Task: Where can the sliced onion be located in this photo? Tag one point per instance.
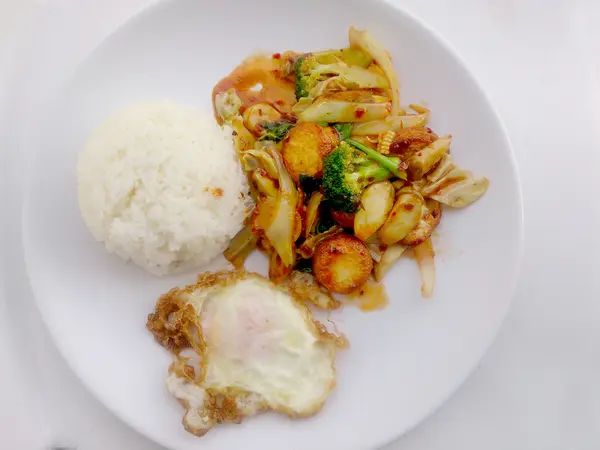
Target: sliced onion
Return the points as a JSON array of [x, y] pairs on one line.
[[425, 259], [457, 188], [280, 231], [365, 42], [387, 260]]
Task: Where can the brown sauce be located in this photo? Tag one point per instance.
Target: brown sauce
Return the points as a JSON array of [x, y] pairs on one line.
[[370, 297], [258, 70]]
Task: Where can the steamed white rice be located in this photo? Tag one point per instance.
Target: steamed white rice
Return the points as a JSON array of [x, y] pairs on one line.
[[160, 184]]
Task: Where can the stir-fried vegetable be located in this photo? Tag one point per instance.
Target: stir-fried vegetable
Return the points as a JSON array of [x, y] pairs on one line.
[[278, 271], [309, 72], [344, 130], [305, 286], [263, 184], [275, 131], [343, 219], [375, 204], [388, 258], [394, 165], [431, 214], [257, 115], [243, 139], [350, 56], [227, 105], [281, 229], [424, 255], [453, 186], [409, 141], [259, 159], [240, 247], [423, 161], [344, 179], [347, 106], [342, 263], [365, 42], [403, 218], [347, 173], [312, 212], [305, 147], [308, 247], [394, 123]]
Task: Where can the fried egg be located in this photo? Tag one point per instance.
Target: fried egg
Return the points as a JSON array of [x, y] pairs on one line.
[[255, 347]]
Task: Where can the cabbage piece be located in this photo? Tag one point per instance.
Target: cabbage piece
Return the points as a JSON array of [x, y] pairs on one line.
[[228, 104], [365, 42], [259, 159], [280, 230], [347, 106], [453, 186], [302, 104]]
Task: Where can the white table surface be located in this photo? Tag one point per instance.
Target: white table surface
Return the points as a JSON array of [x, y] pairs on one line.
[[537, 388]]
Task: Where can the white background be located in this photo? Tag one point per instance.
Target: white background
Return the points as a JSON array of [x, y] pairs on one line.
[[538, 387]]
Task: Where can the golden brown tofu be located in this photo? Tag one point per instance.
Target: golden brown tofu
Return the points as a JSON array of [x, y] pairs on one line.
[[342, 263], [305, 147]]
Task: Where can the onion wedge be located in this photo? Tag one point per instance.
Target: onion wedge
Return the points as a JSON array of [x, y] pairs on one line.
[[424, 254], [388, 258]]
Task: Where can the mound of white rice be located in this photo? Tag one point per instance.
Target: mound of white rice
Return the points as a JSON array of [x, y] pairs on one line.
[[160, 184]]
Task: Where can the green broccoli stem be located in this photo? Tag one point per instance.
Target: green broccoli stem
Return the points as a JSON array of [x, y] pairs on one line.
[[390, 163]]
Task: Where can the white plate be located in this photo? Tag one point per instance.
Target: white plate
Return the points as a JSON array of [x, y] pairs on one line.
[[404, 361]]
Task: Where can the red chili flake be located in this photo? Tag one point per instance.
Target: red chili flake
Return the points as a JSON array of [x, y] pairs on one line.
[[409, 207], [260, 113], [371, 179], [359, 113], [279, 102], [276, 55], [362, 292], [394, 213], [420, 154]]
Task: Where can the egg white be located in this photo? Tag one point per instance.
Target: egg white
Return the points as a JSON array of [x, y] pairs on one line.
[[261, 349]]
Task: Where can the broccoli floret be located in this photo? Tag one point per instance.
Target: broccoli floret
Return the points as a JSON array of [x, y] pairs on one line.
[[275, 131], [310, 70], [347, 172]]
